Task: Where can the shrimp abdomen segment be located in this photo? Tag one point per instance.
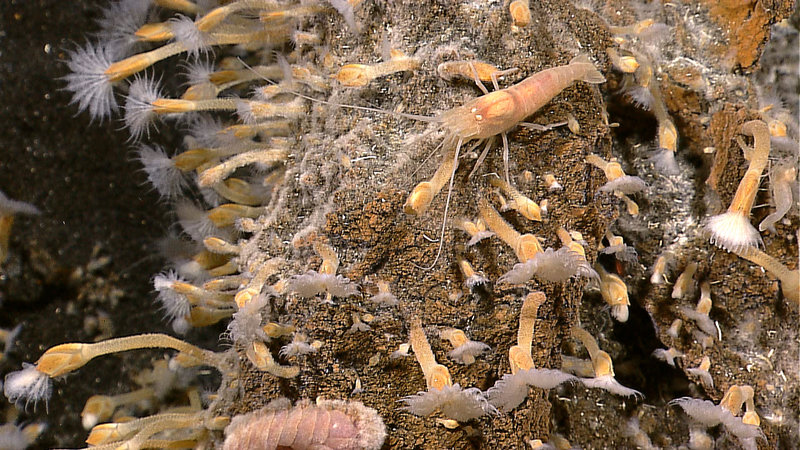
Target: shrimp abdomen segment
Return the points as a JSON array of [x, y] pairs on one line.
[[538, 89], [499, 111], [485, 116]]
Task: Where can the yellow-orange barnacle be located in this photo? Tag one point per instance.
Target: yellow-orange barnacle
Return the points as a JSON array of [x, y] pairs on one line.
[[202, 316], [220, 246], [519, 359], [439, 377], [615, 293], [602, 364], [226, 215], [527, 247], [353, 75], [154, 32], [260, 356], [245, 296], [63, 359], [520, 12]]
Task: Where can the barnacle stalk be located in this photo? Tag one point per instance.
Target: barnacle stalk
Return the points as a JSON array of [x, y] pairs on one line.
[[65, 358], [732, 230]]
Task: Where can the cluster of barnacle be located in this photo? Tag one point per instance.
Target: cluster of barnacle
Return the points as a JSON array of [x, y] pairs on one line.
[[242, 171]]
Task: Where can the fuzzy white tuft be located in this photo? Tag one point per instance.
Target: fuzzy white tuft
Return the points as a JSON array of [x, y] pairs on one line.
[[246, 324], [704, 376], [732, 232], [186, 32], [119, 22], [557, 265], [551, 265], [479, 236], [520, 273], [205, 131], [626, 184], [312, 283], [511, 390], [664, 160], [641, 97], [297, 347], [475, 282], [453, 401], [8, 206], [8, 342], [466, 353], [620, 313], [195, 221], [703, 411], [176, 306], [198, 71], [90, 86], [608, 383], [167, 179], [384, 299], [702, 320], [709, 414], [666, 355], [27, 384], [622, 252], [139, 114]]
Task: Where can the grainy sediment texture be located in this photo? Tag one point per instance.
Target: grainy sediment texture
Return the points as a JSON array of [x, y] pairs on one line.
[[358, 209]]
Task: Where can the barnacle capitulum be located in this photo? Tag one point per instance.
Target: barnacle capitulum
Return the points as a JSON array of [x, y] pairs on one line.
[[555, 266], [519, 202], [99, 408], [525, 246], [298, 347], [615, 293], [472, 280], [451, 399], [467, 69], [700, 313], [685, 282], [512, 389], [617, 247], [333, 424], [476, 230], [675, 328], [668, 355], [702, 371], [552, 184], [709, 414], [313, 283], [659, 269], [618, 181], [358, 75], [384, 297], [732, 230], [421, 196], [602, 367], [464, 349], [520, 12]]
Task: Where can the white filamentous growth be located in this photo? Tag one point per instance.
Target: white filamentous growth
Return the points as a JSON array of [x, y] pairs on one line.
[[139, 113], [91, 87], [167, 179], [27, 384]]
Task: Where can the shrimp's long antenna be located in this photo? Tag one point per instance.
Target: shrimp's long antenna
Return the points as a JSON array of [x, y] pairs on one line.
[[339, 105], [446, 208]]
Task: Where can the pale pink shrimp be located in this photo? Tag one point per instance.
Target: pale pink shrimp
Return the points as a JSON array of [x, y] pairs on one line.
[[499, 111]]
